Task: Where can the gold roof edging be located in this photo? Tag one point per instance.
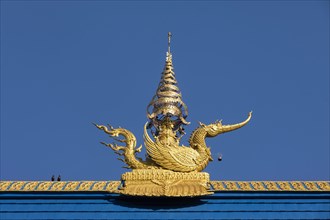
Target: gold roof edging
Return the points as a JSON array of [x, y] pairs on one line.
[[112, 186]]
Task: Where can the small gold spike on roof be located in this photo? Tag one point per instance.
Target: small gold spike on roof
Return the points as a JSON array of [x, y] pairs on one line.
[[167, 102]]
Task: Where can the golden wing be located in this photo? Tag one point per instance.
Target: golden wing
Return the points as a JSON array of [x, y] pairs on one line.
[[183, 159]]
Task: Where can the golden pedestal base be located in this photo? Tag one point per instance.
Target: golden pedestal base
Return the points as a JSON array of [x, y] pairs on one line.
[[157, 182]]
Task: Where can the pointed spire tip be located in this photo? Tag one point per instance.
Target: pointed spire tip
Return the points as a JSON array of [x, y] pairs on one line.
[[169, 35], [168, 53]]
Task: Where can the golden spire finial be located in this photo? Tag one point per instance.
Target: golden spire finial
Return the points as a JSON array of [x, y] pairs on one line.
[[167, 102]]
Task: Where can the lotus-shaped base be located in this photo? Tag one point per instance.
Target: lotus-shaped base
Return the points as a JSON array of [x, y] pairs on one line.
[[158, 182]]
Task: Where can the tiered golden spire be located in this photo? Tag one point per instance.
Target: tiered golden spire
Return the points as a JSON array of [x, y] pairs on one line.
[[167, 102]]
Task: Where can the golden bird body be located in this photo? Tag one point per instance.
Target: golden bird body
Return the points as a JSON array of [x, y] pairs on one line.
[[165, 152]]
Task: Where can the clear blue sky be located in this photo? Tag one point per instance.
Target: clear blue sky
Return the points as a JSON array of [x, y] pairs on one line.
[[66, 64]]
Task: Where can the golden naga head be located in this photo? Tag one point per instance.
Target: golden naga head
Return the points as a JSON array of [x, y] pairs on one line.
[[217, 127], [212, 129]]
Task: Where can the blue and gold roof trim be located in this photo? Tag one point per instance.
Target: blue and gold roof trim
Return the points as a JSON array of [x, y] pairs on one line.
[[62, 186], [113, 186]]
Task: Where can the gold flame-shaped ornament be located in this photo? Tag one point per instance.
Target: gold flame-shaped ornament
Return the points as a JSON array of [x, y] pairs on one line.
[[169, 169]]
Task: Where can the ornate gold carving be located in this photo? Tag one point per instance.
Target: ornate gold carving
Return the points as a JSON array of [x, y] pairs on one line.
[[44, 186], [272, 186], [298, 186], [86, 185], [166, 152], [128, 150], [112, 186], [285, 186], [217, 186], [165, 183], [324, 185], [167, 115], [159, 179], [244, 186], [257, 185], [4, 185], [17, 185], [30, 186], [99, 185], [168, 99], [231, 186], [165, 155], [57, 186], [70, 186]]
